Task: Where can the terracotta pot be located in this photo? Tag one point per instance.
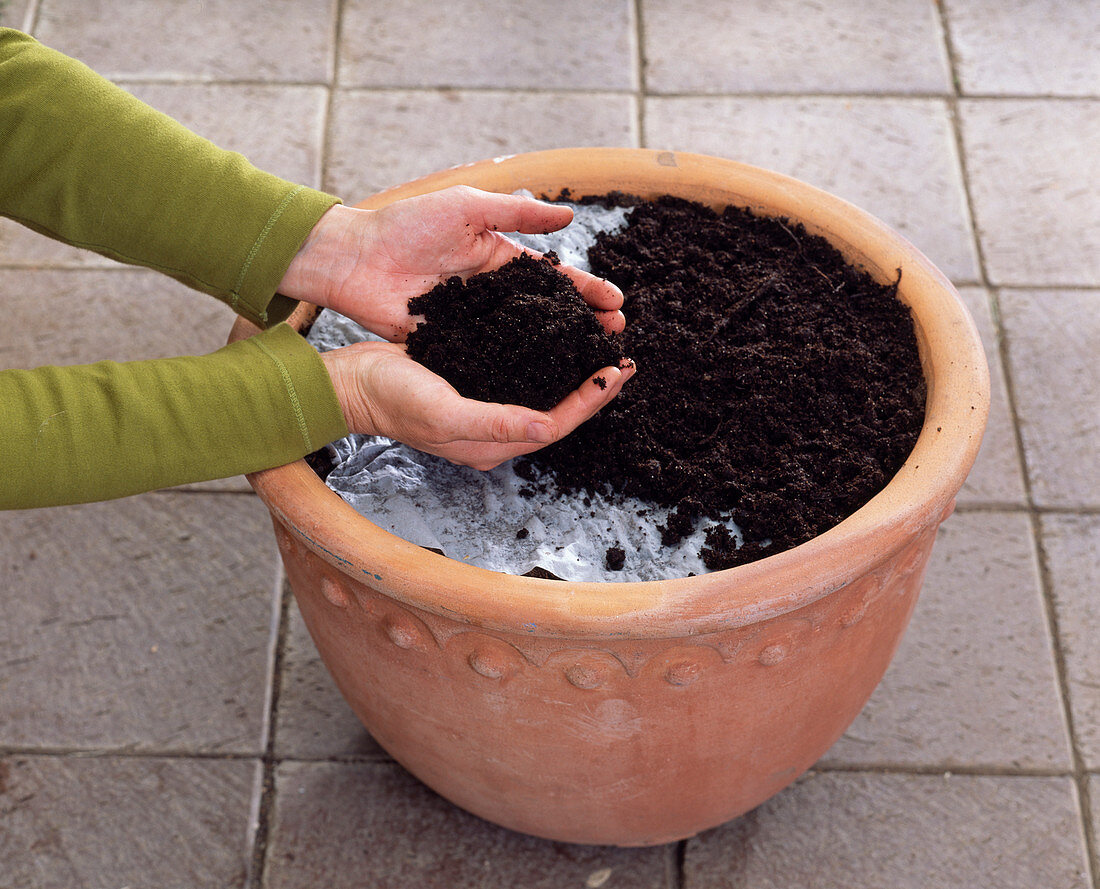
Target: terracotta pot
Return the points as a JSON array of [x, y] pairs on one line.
[[637, 713]]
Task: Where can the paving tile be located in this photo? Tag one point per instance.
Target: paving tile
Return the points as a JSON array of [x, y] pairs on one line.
[[959, 679], [19, 246], [759, 46], [270, 40], [278, 128], [371, 824], [1052, 348], [997, 476], [237, 484], [895, 158], [1025, 47], [141, 623], [314, 721], [13, 14], [1072, 547], [865, 831], [87, 823], [384, 139], [974, 681], [489, 43], [1033, 169], [77, 316]]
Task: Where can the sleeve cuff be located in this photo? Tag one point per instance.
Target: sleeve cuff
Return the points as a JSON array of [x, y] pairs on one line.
[[290, 223], [309, 390]]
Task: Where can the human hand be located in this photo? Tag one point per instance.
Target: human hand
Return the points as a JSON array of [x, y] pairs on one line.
[[367, 264], [384, 392]]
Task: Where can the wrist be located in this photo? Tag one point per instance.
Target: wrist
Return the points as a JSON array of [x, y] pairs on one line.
[[325, 258], [334, 366]]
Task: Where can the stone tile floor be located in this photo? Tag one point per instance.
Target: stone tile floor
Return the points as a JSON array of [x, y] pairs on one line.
[[164, 720]]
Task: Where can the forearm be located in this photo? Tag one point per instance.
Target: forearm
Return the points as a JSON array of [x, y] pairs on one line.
[[106, 430], [87, 163]]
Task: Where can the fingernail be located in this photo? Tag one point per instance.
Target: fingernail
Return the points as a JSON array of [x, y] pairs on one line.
[[539, 432]]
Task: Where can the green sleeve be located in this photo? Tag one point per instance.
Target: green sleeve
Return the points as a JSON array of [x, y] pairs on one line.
[[83, 161], [105, 430]]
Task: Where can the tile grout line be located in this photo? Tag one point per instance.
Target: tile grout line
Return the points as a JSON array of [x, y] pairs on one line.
[[257, 875], [265, 803], [30, 17], [679, 860], [10, 750], [824, 767], [260, 804], [641, 87], [351, 759], [383, 88], [992, 506], [1080, 772], [845, 95], [333, 89], [274, 653]]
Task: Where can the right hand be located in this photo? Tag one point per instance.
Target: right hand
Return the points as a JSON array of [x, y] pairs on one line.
[[368, 264]]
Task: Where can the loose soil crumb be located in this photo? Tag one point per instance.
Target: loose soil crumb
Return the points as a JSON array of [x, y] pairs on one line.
[[521, 334], [615, 558], [777, 385]]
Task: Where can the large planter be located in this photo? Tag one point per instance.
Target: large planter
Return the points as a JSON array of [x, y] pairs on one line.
[[637, 713]]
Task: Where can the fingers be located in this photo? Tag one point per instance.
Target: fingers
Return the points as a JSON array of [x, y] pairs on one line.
[[599, 293], [516, 213], [582, 403], [613, 322], [484, 435], [603, 296], [384, 392]]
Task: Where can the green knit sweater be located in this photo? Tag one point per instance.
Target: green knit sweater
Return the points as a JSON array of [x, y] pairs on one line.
[[84, 162]]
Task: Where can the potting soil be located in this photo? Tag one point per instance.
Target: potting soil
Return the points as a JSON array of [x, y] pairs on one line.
[[521, 334], [778, 390], [778, 386]]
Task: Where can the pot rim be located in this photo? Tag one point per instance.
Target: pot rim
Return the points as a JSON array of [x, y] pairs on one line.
[[919, 496]]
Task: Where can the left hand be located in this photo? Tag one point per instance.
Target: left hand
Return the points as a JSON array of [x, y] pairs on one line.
[[368, 264], [384, 392]]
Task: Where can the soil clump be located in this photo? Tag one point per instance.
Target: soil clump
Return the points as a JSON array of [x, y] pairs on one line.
[[521, 334]]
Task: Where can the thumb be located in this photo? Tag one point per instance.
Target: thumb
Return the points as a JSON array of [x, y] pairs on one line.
[[516, 213], [502, 424]]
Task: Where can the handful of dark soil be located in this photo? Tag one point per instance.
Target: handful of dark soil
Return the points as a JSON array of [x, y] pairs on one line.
[[521, 334]]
